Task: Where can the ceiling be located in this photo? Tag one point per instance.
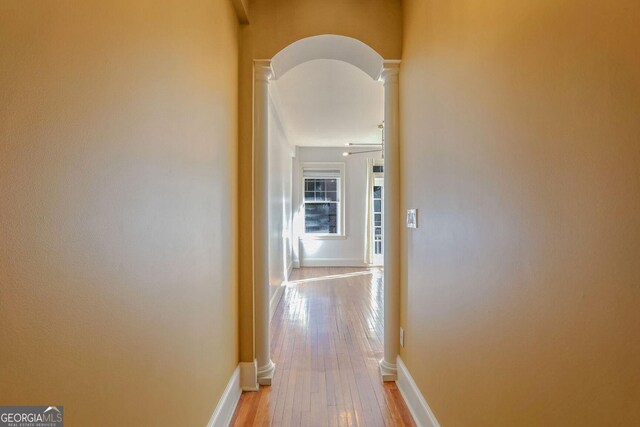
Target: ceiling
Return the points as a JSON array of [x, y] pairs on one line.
[[328, 103], [327, 46]]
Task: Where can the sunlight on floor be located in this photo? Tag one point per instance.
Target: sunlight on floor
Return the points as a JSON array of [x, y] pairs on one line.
[[333, 277], [327, 337]]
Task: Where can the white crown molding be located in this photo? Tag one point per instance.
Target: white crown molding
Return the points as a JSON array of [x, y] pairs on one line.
[[418, 406]]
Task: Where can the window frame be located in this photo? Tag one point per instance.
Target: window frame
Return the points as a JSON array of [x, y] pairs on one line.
[[341, 202]]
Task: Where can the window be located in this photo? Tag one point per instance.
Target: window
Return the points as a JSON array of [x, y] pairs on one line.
[[322, 200], [321, 205]]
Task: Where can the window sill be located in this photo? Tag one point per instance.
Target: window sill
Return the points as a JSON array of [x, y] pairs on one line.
[[323, 237]]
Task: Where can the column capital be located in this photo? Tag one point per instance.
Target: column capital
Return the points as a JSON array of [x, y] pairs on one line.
[[390, 72], [262, 70]]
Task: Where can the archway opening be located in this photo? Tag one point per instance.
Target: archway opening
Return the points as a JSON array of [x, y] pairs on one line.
[[328, 46], [283, 176]]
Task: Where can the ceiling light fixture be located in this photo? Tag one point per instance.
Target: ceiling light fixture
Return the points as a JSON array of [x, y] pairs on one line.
[[355, 144], [377, 150]]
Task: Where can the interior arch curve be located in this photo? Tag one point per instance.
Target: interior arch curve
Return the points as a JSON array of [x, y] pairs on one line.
[[328, 46]]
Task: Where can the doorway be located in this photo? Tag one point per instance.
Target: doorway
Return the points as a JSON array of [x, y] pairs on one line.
[[377, 225], [267, 75]]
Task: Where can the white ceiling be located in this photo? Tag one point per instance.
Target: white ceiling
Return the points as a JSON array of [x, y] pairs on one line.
[[328, 103], [328, 46]]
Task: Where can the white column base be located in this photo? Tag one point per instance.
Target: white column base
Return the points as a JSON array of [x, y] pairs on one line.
[[249, 376], [388, 371], [266, 373]]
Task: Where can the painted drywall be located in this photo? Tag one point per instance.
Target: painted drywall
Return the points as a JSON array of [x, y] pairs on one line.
[[274, 24], [280, 221], [520, 149], [118, 142], [348, 251], [326, 102]]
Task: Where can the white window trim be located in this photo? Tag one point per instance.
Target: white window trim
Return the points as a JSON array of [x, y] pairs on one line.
[[341, 234]]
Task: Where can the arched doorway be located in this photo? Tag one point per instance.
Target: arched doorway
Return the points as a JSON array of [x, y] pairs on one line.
[[369, 61]]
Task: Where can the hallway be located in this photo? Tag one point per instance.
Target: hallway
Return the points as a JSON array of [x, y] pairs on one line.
[[326, 343]]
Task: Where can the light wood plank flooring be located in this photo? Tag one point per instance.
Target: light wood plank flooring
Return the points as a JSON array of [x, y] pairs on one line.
[[326, 340]]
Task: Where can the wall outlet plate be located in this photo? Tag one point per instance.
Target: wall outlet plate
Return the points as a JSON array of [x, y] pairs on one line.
[[412, 218]]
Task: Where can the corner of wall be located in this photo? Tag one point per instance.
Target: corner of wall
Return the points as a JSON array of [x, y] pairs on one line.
[[418, 406]]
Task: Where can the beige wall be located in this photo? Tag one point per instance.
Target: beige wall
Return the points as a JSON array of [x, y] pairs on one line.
[[273, 25], [521, 150], [118, 129]]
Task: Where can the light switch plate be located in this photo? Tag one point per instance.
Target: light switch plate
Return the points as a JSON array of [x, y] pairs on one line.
[[402, 337], [412, 218]]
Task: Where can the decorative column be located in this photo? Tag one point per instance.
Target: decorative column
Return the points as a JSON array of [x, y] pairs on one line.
[[392, 220], [262, 74]]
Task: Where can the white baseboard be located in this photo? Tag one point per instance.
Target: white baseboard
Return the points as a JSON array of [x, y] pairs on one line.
[[333, 262], [422, 414], [275, 300], [289, 270], [249, 376], [227, 404]]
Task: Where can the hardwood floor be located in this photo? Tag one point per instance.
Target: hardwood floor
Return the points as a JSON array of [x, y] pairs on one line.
[[326, 340]]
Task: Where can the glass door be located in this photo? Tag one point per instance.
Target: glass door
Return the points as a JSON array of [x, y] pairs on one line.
[[377, 223]]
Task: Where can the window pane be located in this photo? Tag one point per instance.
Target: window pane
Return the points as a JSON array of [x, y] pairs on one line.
[[377, 205], [377, 192], [320, 204], [321, 189], [321, 218], [377, 220], [378, 232], [378, 169]]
